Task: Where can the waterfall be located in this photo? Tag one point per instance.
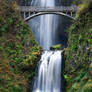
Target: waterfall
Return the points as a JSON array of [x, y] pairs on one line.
[[49, 72], [48, 24], [45, 29], [47, 33]]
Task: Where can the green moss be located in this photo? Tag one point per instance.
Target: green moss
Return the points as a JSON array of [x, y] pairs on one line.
[[56, 47]]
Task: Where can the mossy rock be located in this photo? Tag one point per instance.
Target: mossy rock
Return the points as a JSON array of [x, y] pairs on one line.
[[56, 47]]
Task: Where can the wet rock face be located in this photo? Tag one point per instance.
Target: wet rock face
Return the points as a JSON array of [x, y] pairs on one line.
[[66, 2]]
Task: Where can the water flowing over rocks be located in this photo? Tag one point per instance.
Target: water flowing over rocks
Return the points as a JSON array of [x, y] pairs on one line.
[[49, 72]]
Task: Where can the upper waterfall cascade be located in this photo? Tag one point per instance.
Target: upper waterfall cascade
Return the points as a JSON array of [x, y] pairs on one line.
[[45, 29]]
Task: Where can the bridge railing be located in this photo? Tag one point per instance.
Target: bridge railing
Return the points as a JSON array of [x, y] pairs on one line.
[[72, 8]]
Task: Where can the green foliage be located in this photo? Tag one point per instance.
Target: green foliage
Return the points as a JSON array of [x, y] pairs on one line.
[[77, 2], [1, 49], [78, 54], [19, 53]]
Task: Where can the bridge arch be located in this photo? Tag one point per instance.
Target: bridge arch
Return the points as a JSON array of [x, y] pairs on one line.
[[44, 13], [30, 12]]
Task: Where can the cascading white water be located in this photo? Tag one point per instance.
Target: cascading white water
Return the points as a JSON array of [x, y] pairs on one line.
[[49, 73], [48, 25], [47, 33]]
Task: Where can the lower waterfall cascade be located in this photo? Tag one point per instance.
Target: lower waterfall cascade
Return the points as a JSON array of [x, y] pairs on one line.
[[49, 72]]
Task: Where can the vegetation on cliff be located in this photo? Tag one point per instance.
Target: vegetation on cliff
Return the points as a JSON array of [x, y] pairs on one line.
[[19, 53], [78, 54]]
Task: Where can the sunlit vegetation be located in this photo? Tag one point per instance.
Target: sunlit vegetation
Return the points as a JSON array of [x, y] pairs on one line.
[[56, 47]]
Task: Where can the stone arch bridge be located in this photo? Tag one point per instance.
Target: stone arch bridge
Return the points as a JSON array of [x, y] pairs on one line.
[[29, 12]]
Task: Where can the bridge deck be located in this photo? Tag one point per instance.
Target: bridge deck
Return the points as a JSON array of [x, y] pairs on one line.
[[72, 8]]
